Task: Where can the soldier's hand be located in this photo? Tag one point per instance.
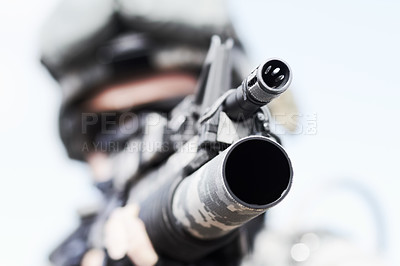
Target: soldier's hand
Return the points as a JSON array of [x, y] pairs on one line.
[[125, 234]]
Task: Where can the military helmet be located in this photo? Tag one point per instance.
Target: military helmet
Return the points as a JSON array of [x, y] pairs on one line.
[[88, 44]]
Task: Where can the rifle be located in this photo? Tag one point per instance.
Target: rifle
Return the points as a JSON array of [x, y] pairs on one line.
[[193, 203], [219, 165]]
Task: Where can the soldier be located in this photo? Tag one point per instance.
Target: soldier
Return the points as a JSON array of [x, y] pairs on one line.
[[113, 57]]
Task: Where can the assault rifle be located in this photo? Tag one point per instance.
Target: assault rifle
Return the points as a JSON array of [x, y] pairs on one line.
[[230, 168], [219, 165]]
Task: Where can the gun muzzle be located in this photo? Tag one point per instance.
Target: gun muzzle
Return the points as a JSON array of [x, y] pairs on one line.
[[252, 175], [265, 83], [187, 219]]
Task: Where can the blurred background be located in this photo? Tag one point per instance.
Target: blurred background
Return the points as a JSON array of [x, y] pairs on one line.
[[343, 207]]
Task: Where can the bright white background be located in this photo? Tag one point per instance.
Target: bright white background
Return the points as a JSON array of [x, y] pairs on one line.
[[344, 55]]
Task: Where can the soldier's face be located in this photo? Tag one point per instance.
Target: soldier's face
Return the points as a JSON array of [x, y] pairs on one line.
[[134, 93]]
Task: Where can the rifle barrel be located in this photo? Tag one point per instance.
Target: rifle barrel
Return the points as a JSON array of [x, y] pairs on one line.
[[265, 83]]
